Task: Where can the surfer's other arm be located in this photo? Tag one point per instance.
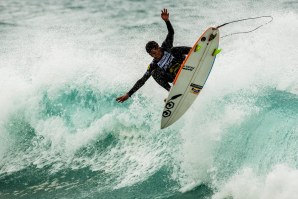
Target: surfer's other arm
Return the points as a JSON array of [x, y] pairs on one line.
[[136, 87]]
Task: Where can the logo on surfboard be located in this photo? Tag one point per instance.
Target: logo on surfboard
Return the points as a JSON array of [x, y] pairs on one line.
[[169, 105], [190, 68], [195, 88]]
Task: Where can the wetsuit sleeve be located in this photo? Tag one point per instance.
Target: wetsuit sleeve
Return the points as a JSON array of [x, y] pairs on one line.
[[180, 51], [168, 42], [139, 83]]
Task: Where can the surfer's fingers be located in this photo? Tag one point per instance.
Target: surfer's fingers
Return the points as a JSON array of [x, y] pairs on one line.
[[119, 99]]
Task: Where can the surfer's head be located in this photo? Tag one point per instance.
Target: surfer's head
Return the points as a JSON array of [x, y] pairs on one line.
[[154, 50]]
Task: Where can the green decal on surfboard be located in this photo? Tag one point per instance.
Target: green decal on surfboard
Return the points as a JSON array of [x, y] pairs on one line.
[[198, 47], [216, 51]]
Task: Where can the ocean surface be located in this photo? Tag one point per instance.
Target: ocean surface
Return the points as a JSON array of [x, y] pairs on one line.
[[63, 135]]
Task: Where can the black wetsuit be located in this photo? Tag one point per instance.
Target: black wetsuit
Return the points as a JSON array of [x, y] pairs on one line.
[[164, 70]]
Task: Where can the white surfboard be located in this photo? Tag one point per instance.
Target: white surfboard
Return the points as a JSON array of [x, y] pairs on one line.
[[191, 77]]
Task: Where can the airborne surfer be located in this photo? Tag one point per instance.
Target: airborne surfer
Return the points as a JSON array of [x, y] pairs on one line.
[[166, 61]]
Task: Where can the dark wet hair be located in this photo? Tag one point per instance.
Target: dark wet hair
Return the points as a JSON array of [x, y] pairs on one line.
[[151, 45]]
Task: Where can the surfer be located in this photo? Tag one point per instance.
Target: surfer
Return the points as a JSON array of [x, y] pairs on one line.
[[166, 61]]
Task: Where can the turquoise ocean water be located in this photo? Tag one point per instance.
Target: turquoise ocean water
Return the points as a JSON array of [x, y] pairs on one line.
[[62, 135]]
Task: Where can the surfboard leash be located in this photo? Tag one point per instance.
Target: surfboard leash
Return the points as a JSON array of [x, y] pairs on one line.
[[250, 18]]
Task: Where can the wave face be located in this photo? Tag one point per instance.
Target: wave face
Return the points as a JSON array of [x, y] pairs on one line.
[[63, 135]]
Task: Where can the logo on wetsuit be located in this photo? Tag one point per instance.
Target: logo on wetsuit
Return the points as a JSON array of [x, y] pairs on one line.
[[165, 61]]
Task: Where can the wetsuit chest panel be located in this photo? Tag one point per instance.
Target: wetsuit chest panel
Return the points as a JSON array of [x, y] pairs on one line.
[[165, 61]]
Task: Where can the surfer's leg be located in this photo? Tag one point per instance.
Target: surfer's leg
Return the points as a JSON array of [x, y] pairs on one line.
[[161, 78]]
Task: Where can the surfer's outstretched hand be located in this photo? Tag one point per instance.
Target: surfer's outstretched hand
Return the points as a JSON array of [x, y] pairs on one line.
[[122, 98], [164, 14]]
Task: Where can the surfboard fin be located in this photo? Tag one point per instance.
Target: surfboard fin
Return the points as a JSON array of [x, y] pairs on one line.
[[216, 51]]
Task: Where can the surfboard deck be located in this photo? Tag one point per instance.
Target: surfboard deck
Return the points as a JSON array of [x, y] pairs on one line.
[[191, 76]]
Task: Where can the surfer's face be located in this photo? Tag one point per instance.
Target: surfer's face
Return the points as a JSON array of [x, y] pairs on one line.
[[156, 53]]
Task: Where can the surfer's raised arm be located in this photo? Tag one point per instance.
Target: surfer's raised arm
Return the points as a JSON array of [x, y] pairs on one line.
[[165, 64], [168, 42]]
